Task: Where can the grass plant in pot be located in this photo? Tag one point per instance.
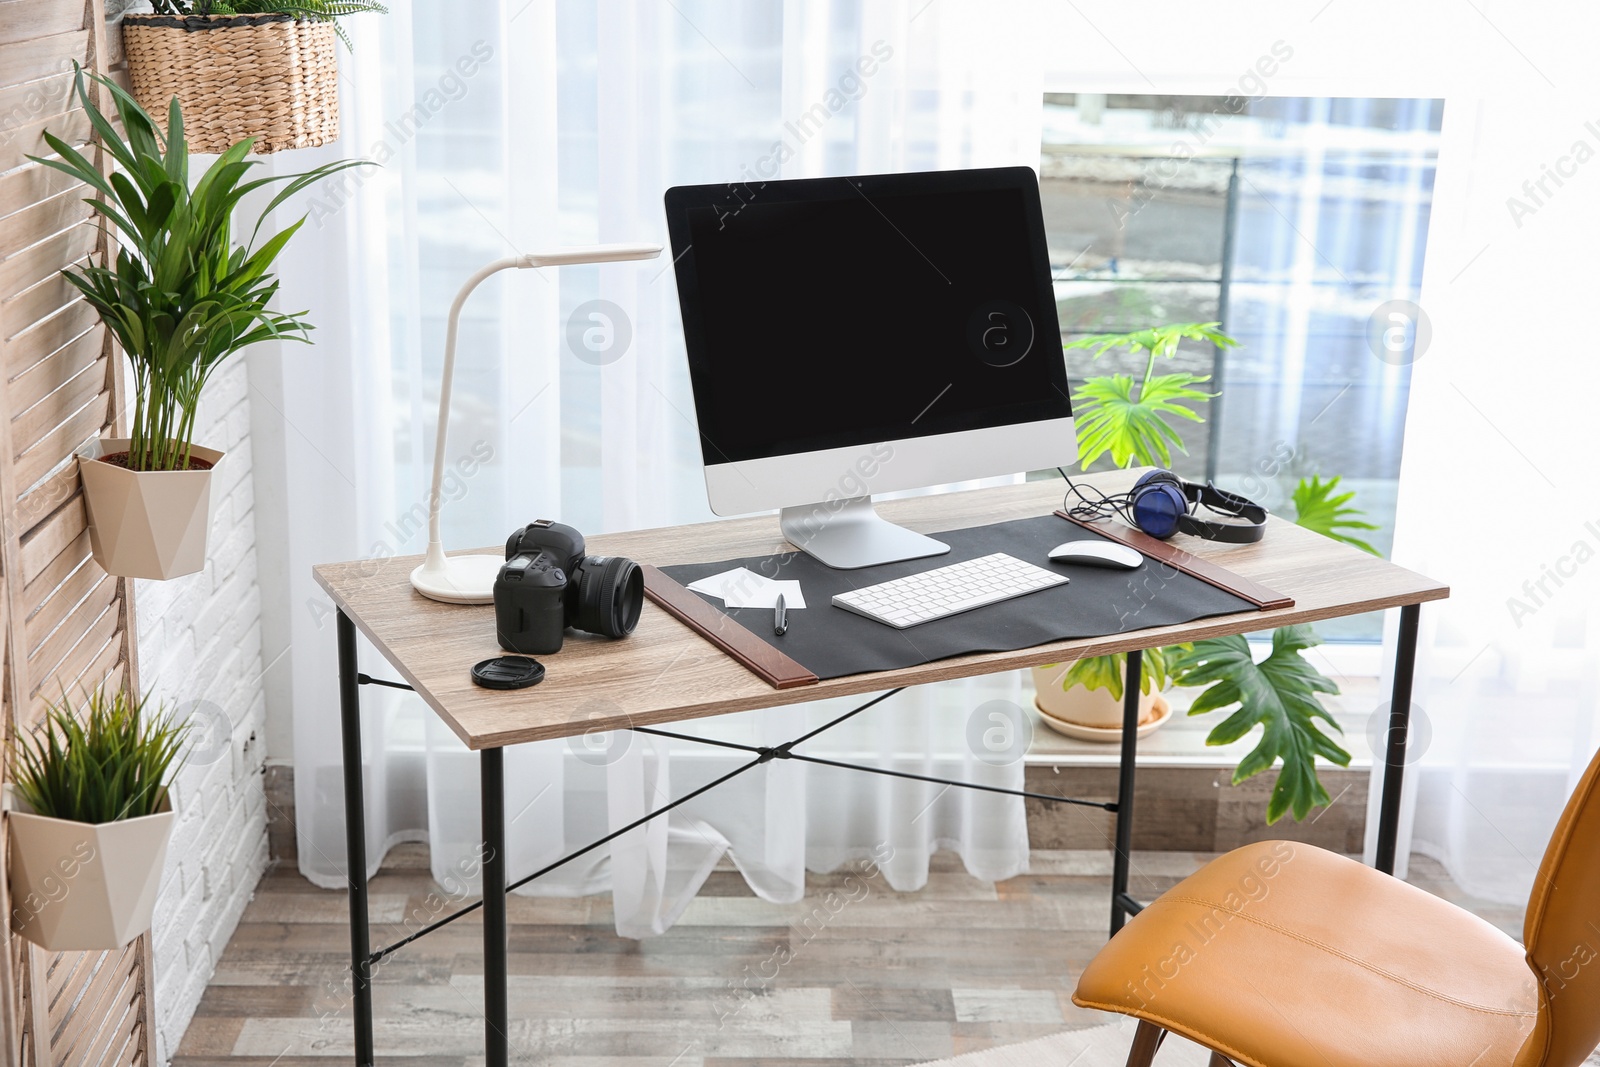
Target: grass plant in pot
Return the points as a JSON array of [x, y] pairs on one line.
[[181, 297], [90, 819], [1135, 424]]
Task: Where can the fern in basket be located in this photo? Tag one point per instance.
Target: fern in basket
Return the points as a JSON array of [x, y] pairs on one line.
[[307, 10]]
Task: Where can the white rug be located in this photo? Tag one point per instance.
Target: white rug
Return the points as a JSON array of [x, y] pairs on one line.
[[1101, 1046]]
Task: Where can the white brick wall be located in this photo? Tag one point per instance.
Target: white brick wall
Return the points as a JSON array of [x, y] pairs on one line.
[[200, 640]]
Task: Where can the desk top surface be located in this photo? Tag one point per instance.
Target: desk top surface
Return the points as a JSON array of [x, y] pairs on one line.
[[666, 672]]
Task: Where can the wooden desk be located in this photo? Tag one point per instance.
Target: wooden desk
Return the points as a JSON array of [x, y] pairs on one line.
[[665, 672]]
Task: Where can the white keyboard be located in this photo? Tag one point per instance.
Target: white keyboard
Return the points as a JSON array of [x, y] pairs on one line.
[[938, 594]]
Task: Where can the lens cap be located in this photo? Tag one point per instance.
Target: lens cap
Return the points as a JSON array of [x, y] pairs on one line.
[[508, 672]]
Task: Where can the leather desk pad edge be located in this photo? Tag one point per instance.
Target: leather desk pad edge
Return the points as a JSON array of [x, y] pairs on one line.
[[756, 655], [1263, 597]]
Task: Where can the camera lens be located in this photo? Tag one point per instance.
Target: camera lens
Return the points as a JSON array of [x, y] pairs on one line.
[[610, 595]]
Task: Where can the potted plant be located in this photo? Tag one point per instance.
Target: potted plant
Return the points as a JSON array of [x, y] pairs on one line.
[[90, 818], [261, 69], [181, 297], [1132, 422], [1083, 698]]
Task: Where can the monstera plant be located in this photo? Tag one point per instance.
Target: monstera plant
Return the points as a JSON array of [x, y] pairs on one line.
[[1136, 423]]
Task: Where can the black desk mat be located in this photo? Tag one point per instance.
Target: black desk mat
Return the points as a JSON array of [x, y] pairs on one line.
[[832, 642]]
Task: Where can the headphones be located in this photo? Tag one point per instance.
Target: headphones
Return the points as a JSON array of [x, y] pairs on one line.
[[1162, 504]]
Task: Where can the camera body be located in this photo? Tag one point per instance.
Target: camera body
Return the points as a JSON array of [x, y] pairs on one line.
[[549, 583]]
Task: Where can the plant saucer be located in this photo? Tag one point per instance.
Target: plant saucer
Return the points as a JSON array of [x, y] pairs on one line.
[[1104, 734]]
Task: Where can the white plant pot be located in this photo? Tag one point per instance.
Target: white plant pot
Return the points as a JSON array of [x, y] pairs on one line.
[[79, 886], [146, 524], [1095, 708]]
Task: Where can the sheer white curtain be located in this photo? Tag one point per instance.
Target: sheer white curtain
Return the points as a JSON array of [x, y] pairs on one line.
[[526, 125], [1497, 491]]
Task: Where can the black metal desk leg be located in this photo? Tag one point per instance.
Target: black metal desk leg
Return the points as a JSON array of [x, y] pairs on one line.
[[1394, 764], [496, 1045], [355, 839], [1130, 749]]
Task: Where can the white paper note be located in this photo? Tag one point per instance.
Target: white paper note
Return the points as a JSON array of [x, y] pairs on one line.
[[727, 583], [744, 588], [766, 595]]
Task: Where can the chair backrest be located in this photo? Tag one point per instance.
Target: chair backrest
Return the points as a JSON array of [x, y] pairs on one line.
[[1562, 935]]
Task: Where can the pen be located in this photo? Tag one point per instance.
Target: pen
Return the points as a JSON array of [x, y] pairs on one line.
[[780, 617]]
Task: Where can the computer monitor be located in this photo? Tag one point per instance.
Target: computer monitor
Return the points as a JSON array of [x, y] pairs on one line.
[[861, 335]]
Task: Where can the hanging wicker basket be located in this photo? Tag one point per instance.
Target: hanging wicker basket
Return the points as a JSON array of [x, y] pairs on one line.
[[271, 77]]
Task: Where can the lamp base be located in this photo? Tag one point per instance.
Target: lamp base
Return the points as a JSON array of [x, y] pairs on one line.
[[458, 579]]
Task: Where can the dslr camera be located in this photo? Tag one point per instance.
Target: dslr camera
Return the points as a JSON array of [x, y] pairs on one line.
[[548, 583]]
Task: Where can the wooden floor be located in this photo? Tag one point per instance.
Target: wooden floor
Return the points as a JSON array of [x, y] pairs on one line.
[[884, 978]]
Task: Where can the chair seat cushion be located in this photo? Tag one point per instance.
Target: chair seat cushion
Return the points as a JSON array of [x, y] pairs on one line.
[[1286, 955]]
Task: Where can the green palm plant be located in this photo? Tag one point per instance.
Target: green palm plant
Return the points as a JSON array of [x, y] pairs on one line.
[[1128, 419], [106, 761], [182, 296], [1317, 508]]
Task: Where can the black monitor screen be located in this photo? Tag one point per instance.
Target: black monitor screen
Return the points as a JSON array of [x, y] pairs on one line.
[[833, 312]]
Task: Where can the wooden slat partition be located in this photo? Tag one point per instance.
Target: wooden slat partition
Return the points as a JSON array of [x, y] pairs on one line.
[[67, 625]]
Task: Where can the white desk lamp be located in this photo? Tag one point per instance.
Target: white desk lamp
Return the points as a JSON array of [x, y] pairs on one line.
[[470, 579]]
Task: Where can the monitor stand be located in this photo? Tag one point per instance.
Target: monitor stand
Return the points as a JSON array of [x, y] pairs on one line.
[[848, 534]]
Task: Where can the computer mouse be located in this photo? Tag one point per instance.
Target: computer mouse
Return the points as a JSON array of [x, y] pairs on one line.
[[1097, 554]]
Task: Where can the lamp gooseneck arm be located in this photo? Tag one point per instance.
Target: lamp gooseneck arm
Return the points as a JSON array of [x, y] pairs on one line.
[[466, 583], [435, 495]]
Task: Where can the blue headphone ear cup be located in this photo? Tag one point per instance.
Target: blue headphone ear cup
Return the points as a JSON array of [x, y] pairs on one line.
[[1158, 476], [1157, 505]]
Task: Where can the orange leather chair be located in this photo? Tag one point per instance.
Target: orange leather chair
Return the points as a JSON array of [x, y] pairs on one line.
[[1284, 955]]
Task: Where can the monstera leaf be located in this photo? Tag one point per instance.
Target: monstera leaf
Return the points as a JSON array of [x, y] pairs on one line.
[[1280, 695], [1317, 508], [1133, 428]]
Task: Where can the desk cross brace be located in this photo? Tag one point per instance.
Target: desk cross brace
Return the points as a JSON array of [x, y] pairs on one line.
[[785, 751], [762, 754], [492, 787]]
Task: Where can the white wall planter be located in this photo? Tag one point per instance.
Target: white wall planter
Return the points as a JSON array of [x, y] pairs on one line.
[[146, 524], [79, 886], [1096, 711]]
